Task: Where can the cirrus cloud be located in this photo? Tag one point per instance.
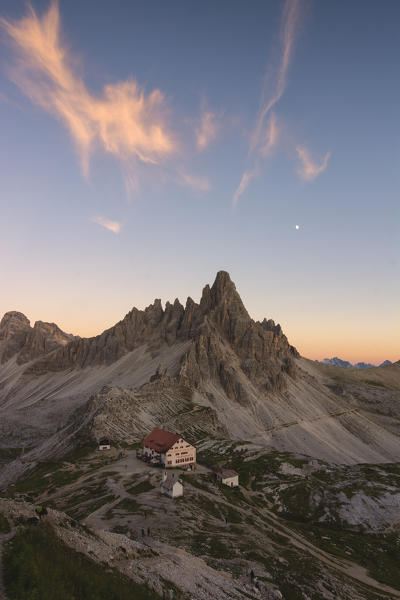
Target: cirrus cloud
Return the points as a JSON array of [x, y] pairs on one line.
[[207, 131], [200, 183], [123, 120], [290, 19], [265, 134], [268, 143], [309, 169], [113, 226]]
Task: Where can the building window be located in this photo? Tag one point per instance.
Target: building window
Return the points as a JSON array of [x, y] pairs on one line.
[[169, 462]]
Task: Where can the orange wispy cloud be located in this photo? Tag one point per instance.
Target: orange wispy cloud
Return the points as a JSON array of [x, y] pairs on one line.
[[207, 131], [265, 134], [309, 169], [113, 226], [123, 121]]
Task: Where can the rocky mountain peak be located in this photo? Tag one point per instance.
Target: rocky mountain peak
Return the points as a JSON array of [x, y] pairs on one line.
[[154, 312], [222, 293], [12, 323], [27, 342], [217, 337]]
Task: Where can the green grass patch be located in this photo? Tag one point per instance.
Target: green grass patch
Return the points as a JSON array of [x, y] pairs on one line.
[[128, 505], [140, 488], [198, 481], [208, 506], [4, 524], [46, 476], [123, 529], [79, 453], [378, 553], [233, 495], [82, 502], [38, 566], [205, 544]]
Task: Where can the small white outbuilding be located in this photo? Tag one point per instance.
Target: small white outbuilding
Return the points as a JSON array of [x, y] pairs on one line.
[[170, 485], [228, 477], [104, 444]]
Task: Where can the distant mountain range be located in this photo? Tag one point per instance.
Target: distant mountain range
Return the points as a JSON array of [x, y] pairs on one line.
[[338, 362]]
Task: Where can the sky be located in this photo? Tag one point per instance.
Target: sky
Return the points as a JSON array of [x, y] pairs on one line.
[[146, 145]]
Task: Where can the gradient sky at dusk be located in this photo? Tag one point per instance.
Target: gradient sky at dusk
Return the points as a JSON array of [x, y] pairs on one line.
[[146, 145]]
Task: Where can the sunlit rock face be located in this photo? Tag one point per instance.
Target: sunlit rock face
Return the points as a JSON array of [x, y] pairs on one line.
[[14, 328], [218, 325], [12, 323], [26, 342]]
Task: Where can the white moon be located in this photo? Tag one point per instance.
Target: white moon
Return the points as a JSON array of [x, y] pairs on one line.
[[297, 226]]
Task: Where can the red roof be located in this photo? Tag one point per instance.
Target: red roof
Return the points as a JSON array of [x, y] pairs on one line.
[[160, 440]]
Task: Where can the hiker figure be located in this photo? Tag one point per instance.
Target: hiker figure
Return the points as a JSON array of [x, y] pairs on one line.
[[41, 511], [252, 576], [148, 531], [256, 585], [142, 531]]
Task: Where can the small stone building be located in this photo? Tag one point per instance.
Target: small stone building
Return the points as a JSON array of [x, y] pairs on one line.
[[171, 485], [310, 467], [228, 477], [104, 444]]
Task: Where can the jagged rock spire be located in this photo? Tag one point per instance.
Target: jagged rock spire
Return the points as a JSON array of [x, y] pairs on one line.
[[222, 293]]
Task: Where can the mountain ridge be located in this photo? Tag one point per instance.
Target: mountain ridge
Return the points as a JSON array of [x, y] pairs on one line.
[[338, 362], [243, 378]]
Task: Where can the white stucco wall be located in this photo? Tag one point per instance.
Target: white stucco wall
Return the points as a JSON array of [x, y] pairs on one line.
[[231, 481]]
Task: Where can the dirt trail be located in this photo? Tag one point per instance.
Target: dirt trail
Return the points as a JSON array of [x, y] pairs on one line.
[[347, 567], [320, 417], [129, 465]]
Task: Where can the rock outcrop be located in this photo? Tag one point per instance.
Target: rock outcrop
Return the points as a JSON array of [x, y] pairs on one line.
[[14, 328], [27, 342]]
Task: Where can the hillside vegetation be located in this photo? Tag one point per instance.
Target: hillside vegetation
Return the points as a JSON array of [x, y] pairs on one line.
[[39, 566]]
